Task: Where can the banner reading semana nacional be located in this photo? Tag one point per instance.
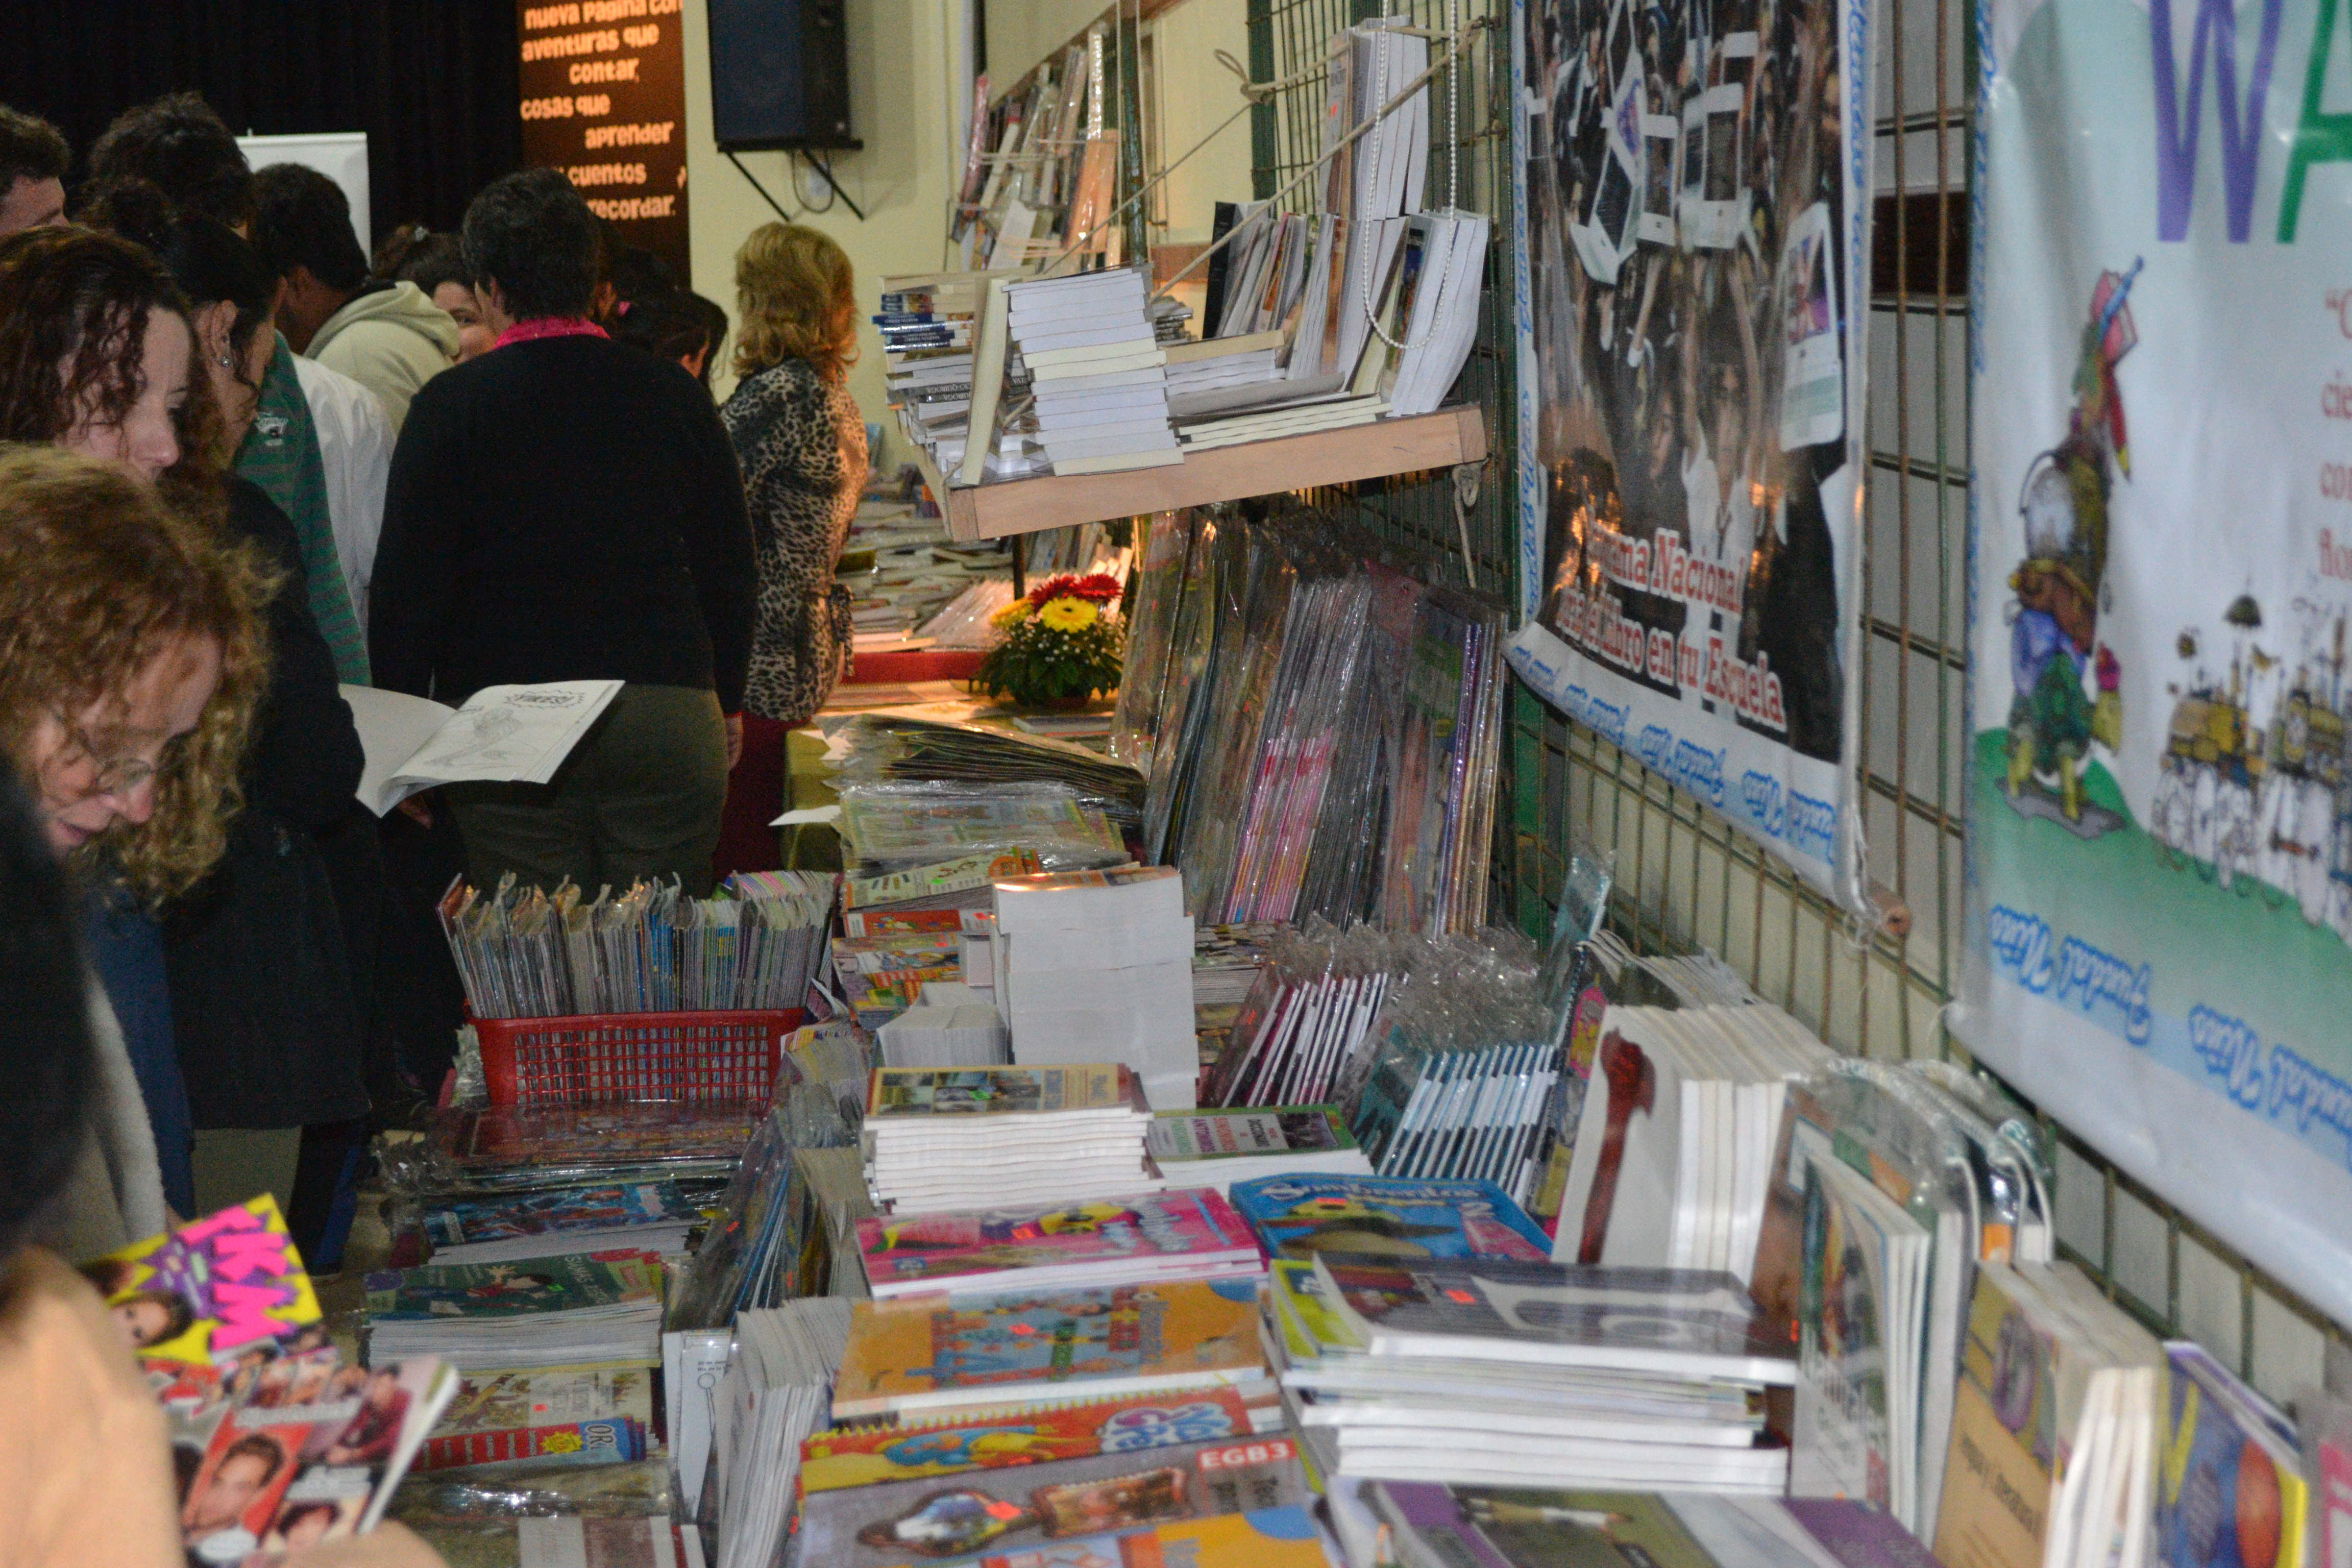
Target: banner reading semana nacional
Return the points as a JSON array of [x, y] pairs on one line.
[[1693, 240], [2160, 821]]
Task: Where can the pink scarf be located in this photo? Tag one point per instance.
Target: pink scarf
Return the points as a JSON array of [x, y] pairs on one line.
[[550, 327]]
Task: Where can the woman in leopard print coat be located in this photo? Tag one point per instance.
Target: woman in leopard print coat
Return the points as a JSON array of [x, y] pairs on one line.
[[801, 443]]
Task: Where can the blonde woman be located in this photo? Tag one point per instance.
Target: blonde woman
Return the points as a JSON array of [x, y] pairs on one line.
[[802, 446]]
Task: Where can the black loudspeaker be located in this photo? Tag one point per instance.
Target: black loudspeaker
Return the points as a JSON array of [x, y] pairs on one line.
[[779, 74]]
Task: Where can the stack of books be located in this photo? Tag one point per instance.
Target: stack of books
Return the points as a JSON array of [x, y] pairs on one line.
[[548, 1417], [1181, 1233], [878, 1496], [1205, 373], [935, 1033], [1095, 370], [575, 1310], [642, 1216], [773, 1396], [1226, 1147], [1096, 963], [1504, 1374], [1425, 1525], [927, 322], [938, 1354], [946, 1138]]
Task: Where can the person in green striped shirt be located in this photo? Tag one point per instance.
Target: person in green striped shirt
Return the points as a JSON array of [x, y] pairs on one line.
[[281, 455]]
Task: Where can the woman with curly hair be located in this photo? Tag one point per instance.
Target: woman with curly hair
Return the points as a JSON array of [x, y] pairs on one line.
[[801, 443], [131, 659]]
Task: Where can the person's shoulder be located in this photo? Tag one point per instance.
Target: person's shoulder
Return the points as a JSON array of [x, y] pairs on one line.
[[333, 395], [56, 1316]]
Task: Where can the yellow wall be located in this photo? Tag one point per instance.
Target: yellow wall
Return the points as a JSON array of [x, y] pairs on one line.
[[909, 106], [904, 58]]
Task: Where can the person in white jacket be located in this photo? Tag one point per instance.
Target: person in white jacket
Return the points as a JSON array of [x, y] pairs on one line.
[[355, 448], [388, 336]]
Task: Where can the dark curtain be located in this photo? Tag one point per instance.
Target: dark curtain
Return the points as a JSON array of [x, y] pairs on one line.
[[432, 82]]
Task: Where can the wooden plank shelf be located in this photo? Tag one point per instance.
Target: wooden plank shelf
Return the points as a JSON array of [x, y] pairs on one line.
[[1371, 451]]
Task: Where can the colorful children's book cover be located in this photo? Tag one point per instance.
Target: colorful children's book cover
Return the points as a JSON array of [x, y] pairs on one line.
[[563, 1283], [940, 1093], [1391, 1216], [610, 1440], [2007, 1443], [2229, 1493], [947, 1248], [555, 1213], [590, 1414], [871, 1455], [932, 1520], [214, 1291], [1268, 1538], [910, 1352], [1227, 1134]]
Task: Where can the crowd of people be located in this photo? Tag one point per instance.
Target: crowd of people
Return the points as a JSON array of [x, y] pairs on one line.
[[243, 463]]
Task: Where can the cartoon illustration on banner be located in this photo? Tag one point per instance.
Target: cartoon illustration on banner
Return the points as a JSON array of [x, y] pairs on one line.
[[1692, 229], [2160, 900]]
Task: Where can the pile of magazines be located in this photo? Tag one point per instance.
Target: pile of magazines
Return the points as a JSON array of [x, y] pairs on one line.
[[1322, 732], [526, 953]]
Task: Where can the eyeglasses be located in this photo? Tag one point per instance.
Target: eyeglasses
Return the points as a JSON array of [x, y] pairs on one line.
[[115, 775]]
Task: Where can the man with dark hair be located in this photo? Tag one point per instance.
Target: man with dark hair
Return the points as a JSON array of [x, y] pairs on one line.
[[180, 145], [565, 508], [33, 160], [385, 334]]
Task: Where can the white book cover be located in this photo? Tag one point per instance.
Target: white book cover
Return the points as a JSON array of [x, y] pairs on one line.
[[512, 735]]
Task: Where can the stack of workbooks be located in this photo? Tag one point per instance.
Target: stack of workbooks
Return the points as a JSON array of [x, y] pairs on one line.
[[927, 322], [1227, 1147], [2055, 1426], [643, 1216], [1181, 1233], [573, 1309], [772, 1397], [935, 1353], [547, 1417], [944, 1139], [1090, 964], [1425, 1525], [1098, 387], [1502, 1373], [1207, 373], [939, 1033], [961, 1486]]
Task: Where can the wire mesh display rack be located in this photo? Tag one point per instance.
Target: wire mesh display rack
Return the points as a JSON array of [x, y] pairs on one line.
[[1685, 878]]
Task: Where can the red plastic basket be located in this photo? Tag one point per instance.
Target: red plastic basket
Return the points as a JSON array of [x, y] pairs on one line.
[[598, 1058]]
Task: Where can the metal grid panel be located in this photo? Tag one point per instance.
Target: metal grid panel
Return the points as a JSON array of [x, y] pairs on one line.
[[1685, 878]]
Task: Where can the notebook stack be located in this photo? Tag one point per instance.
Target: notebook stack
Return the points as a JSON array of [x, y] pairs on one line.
[[938, 1138], [939, 1032], [576, 1310], [643, 1216], [1100, 964], [1223, 1147], [773, 1396], [1095, 370], [1498, 1372], [1137, 1239], [936, 1354]]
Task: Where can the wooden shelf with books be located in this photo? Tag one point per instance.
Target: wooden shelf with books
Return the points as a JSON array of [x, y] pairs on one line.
[[1369, 451]]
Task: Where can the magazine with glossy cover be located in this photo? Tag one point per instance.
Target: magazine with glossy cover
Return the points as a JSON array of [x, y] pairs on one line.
[[1298, 1217], [1679, 1322], [941, 1351], [567, 1282], [1054, 1499], [212, 1290], [572, 1211], [2231, 1491], [929, 1449], [1151, 1231]]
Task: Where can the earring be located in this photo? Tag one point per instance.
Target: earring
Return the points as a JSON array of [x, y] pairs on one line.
[[223, 361]]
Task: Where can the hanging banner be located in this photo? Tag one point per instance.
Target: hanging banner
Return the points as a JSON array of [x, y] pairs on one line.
[[2160, 827], [603, 99], [1693, 233]]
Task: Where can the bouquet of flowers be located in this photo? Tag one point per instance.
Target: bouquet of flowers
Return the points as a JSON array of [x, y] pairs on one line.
[[1062, 643]]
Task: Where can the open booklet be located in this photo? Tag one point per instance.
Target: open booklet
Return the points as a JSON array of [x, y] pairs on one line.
[[503, 734]]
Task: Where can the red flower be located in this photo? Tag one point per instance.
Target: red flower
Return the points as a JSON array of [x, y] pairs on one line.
[[1098, 587]]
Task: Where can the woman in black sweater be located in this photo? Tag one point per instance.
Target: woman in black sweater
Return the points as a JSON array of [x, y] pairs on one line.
[[565, 508]]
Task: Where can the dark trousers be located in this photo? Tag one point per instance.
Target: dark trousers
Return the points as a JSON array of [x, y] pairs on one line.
[[640, 796]]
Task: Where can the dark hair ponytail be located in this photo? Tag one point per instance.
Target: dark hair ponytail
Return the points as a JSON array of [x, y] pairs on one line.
[[205, 256]]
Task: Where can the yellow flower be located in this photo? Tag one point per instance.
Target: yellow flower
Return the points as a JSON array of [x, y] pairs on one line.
[[1012, 615], [1068, 615]]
